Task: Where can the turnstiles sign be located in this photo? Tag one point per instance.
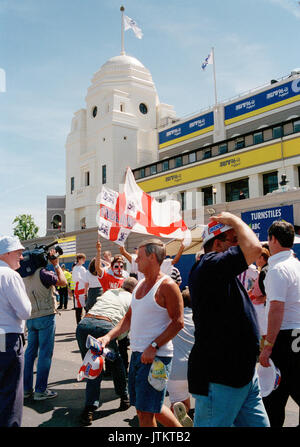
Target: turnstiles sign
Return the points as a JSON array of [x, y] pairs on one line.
[[260, 220]]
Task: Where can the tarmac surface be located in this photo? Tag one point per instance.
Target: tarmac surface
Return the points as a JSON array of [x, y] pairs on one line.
[[65, 409]]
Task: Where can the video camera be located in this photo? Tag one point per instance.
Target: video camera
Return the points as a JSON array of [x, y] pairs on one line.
[[36, 258]]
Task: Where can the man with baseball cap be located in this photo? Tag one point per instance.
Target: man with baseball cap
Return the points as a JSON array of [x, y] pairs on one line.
[[221, 370], [15, 308]]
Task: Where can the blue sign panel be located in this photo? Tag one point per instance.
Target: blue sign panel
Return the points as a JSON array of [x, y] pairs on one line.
[[186, 129], [264, 99], [260, 220]]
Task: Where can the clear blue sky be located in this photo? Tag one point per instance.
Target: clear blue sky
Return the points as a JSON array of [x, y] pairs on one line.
[[50, 50]]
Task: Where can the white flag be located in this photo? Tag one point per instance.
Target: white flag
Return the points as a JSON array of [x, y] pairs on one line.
[[208, 60], [131, 24]]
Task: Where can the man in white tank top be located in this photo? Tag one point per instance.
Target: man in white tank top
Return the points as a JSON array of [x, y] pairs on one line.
[[154, 318]]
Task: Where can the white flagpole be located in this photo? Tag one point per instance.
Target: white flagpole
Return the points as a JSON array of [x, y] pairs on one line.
[[122, 9], [214, 69]]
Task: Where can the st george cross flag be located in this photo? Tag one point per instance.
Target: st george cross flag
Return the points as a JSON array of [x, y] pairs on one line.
[[208, 60], [131, 24], [134, 210]]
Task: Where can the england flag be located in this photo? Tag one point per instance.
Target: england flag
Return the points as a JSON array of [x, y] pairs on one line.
[[134, 210]]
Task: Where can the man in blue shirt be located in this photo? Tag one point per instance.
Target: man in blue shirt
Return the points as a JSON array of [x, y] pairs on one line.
[[221, 370]]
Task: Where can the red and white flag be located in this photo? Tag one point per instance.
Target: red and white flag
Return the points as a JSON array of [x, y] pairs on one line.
[[134, 210]]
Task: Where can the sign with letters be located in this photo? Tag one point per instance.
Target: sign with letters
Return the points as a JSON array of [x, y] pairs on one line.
[[186, 130], [260, 220], [261, 102]]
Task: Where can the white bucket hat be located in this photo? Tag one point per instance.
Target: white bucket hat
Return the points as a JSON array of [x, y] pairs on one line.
[[10, 243], [212, 230], [269, 378]]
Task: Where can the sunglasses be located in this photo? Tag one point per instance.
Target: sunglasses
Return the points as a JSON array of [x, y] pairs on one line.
[[234, 240]]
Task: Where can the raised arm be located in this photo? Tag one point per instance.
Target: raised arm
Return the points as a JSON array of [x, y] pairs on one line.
[[179, 253], [98, 267], [61, 279], [126, 254], [247, 239]]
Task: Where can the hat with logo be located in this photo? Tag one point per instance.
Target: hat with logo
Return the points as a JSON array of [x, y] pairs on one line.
[[212, 230], [10, 243], [269, 378]]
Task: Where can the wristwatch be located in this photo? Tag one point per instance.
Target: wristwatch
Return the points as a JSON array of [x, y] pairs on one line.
[[56, 266], [267, 343], [154, 345]]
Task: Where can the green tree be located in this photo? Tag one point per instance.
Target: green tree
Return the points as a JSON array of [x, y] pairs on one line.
[[25, 228]]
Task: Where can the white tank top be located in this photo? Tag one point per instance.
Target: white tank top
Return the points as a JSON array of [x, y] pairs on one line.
[[148, 321]]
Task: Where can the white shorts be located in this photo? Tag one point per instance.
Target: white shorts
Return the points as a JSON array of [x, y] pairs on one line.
[[178, 390], [262, 318]]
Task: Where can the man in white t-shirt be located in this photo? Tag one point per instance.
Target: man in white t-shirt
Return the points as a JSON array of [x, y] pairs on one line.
[[15, 308], [281, 344], [81, 286]]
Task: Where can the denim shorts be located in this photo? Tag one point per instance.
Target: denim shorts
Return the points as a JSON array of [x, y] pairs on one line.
[[142, 395]]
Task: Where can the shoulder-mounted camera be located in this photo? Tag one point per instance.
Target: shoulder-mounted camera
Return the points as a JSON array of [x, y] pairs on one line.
[[37, 257]]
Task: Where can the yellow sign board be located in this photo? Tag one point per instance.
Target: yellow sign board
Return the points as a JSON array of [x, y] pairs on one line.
[[68, 245], [234, 161]]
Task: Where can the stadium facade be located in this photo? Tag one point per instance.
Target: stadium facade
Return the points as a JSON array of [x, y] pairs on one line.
[[241, 155]]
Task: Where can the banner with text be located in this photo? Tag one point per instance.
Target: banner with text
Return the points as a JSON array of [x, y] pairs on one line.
[[260, 220], [262, 102]]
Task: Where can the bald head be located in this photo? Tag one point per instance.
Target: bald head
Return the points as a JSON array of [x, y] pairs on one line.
[[129, 284]]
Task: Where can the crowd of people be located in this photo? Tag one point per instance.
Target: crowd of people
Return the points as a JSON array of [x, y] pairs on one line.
[[241, 308]]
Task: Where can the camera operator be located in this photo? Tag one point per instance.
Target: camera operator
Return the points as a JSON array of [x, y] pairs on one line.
[[40, 288]]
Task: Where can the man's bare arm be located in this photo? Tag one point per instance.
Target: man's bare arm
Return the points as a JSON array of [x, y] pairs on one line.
[[98, 267], [61, 279], [275, 317], [120, 328], [179, 253], [170, 298], [125, 253]]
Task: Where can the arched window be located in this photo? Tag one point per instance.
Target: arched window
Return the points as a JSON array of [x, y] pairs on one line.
[[56, 222]]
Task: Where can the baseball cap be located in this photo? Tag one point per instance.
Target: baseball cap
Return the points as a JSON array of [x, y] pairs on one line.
[[10, 243], [212, 230]]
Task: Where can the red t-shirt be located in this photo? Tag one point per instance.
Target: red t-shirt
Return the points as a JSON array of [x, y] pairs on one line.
[[109, 281]]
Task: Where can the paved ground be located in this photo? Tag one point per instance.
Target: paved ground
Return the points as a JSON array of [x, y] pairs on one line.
[[64, 410]]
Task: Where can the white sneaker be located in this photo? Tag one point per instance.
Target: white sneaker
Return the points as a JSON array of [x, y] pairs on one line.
[[47, 394], [181, 414]]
